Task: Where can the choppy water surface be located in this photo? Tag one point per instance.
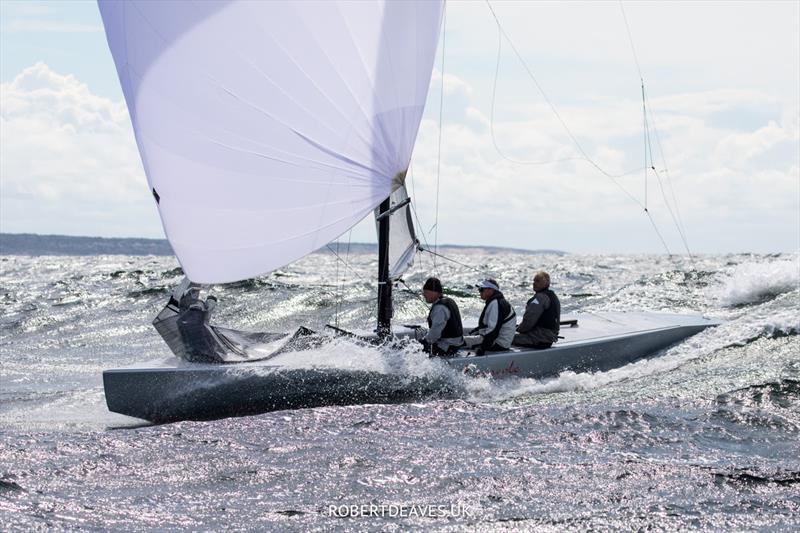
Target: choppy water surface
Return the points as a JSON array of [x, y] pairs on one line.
[[705, 436]]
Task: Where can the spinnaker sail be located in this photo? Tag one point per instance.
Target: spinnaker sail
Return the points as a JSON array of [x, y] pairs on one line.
[[269, 128]]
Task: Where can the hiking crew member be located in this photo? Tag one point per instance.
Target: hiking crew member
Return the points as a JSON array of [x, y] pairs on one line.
[[445, 332], [497, 321], [541, 321]]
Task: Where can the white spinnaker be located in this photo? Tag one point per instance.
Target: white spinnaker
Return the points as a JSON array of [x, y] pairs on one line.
[[269, 128], [402, 239]]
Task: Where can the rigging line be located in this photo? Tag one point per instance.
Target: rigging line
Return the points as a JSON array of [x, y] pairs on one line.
[[666, 170], [419, 224], [491, 114], [569, 132], [359, 276], [483, 273], [419, 298], [347, 254], [558, 116], [648, 150], [339, 295], [414, 208], [343, 280], [672, 214], [650, 164], [409, 289], [653, 222], [649, 146], [439, 153], [630, 40], [646, 144], [421, 249]]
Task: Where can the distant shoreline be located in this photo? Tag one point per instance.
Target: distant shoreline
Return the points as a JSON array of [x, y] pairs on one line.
[[35, 244]]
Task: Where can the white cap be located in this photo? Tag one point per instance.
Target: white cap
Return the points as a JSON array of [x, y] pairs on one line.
[[488, 284]]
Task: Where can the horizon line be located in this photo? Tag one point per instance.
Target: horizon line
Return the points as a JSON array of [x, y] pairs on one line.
[[165, 240]]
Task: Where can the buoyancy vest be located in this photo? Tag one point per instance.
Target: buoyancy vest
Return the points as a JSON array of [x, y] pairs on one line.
[[551, 317], [504, 314], [453, 329]]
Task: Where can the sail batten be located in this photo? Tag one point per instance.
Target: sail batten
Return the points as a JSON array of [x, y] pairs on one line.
[[270, 128]]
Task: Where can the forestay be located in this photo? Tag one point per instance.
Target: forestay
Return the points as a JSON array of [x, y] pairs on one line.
[[267, 129]]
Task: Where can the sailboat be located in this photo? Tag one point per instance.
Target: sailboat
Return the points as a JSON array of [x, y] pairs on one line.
[[267, 130]]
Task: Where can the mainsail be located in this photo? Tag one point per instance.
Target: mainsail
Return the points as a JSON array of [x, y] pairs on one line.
[[266, 128]]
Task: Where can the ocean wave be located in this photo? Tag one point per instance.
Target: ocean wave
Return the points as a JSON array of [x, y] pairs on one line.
[[750, 478], [783, 394], [735, 333], [755, 283], [774, 320], [172, 273], [487, 389], [7, 485], [136, 274], [50, 303], [756, 418], [148, 292]]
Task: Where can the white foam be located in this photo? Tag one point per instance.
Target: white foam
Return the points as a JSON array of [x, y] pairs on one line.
[[752, 282], [74, 409], [738, 331], [342, 353]]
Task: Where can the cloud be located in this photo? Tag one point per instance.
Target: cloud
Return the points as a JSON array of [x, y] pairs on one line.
[[69, 164], [453, 85], [739, 149], [49, 26], [69, 161], [25, 17], [456, 102], [27, 10], [724, 174]]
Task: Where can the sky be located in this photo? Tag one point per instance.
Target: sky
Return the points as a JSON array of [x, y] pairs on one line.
[[722, 81]]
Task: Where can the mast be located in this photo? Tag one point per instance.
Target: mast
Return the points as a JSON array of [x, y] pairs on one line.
[[384, 283]]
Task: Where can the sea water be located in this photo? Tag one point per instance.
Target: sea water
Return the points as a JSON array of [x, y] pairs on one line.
[[704, 436]]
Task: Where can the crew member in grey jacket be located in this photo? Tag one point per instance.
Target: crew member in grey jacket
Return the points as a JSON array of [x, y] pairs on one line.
[[445, 332], [541, 322]]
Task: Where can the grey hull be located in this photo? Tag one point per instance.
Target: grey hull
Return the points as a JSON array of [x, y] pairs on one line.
[[207, 391], [590, 355]]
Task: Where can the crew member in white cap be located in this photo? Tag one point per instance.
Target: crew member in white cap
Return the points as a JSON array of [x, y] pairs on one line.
[[497, 323]]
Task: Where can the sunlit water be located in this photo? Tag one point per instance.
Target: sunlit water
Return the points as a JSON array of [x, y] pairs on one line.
[[706, 436]]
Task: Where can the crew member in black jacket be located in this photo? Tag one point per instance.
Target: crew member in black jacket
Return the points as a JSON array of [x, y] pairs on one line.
[[540, 323], [445, 332]]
